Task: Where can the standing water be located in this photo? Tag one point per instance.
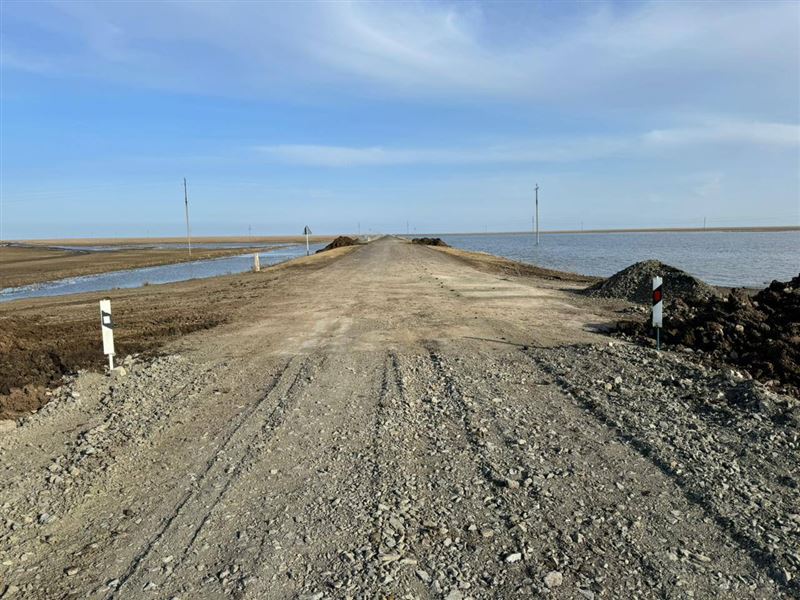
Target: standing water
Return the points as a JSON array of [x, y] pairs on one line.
[[731, 259], [132, 278]]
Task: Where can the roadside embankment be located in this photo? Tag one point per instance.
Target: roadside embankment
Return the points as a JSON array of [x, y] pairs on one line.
[[490, 263], [43, 339]]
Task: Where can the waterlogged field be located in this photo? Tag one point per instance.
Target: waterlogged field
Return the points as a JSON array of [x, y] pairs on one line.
[[731, 259], [132, 278]]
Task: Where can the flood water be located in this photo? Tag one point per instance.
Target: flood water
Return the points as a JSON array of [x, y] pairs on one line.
[[731, 259], [161, 246], [132, 278]]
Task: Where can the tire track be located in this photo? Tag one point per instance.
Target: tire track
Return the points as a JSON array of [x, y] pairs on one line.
[[624, 430], [290, 371], [489, 471], [522, 459]]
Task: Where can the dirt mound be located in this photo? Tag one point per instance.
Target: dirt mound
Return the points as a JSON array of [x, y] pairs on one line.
[[760, 333], [635, 283], [35, 351], [340, 242], [426, 241]]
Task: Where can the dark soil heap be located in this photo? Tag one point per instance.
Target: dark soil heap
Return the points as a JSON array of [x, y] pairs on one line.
[[425, 241], [760, 333], [635, 283], [340, 242]]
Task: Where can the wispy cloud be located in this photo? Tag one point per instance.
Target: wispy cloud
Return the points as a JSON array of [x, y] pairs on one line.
[[746, 132], [659, 51], [552, 150], [343, 156]]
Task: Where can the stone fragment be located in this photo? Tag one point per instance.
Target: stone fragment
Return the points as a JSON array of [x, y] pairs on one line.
[[553, 579]]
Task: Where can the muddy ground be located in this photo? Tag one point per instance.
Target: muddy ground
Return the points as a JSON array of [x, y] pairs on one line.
[[41, 340], [37, 262], [390, 421]]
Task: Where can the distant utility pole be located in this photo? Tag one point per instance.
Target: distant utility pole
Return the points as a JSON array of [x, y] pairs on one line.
[[407, 229], [537, 214], [704, 223], [186, 205], [250, 232], [359, 229]]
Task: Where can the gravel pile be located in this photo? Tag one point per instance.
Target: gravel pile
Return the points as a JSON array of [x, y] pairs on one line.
[[760, 333], [635, 283], [426, 241]]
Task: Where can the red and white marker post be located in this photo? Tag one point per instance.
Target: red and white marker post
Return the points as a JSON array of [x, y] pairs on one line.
[[658, 309]]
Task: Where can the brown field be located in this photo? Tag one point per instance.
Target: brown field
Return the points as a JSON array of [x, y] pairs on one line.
[[37, 261], [242, 239]]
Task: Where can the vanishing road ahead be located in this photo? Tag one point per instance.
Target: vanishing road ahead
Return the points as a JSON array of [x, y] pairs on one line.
[[400, 421]]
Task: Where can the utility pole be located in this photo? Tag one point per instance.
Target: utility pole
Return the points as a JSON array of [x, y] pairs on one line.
[[537, 214], [704, 223], [186, 204], [407, 229], [359, 229]]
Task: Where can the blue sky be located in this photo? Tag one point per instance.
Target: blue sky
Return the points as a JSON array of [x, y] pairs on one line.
[[441, 114]]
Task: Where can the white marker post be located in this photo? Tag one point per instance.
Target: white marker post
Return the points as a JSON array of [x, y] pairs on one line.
[[658, 310], [107, 327], [307, 232], [256, 263]]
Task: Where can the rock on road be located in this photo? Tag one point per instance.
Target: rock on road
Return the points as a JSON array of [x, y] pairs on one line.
[[399, 423]]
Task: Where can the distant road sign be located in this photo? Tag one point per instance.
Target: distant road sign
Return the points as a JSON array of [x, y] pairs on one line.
[[307, 232]]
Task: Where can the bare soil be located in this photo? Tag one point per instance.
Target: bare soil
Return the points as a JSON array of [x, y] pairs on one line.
[[36, 264], [758, 332], [399, 421], [341, 241]]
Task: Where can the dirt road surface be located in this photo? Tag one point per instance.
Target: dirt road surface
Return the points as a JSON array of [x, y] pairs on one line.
[[400, 424]]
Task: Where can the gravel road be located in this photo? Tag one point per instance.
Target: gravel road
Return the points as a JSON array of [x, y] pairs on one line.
[[401, 424]]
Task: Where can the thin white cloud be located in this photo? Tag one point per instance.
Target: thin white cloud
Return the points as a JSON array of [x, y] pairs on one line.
[[554, 150], [746, 132], [661, 52], [345, 156]]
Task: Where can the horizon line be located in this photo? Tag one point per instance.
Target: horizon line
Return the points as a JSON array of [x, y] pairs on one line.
[[255, 238]]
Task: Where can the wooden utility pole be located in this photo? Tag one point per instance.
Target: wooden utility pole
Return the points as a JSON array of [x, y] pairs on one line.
[[537, 214], [186, 205]]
